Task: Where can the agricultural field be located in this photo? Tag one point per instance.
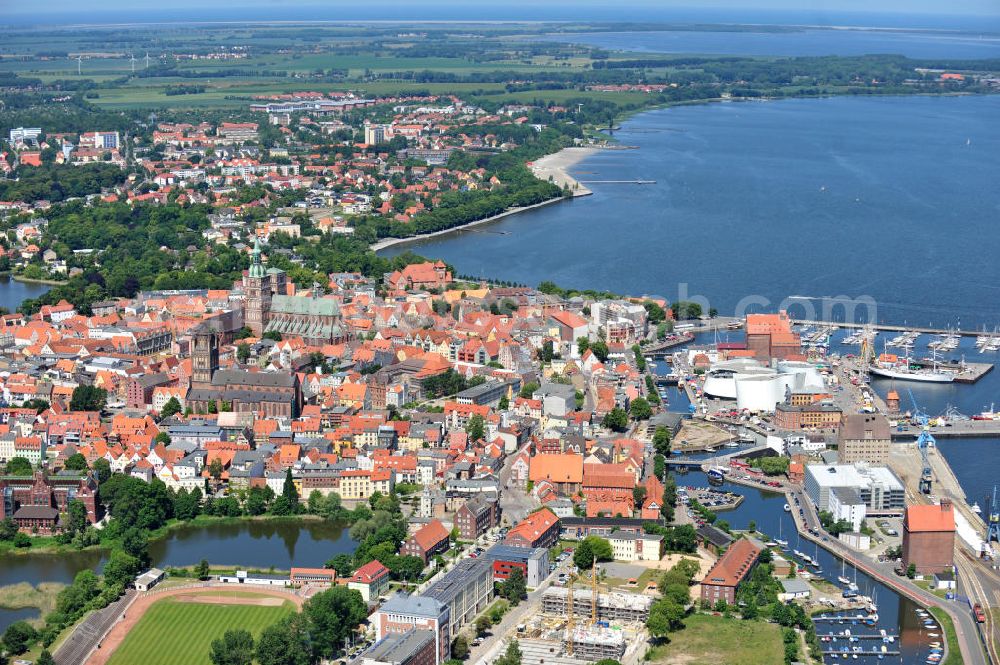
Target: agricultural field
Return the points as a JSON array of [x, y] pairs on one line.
[[189, 623]]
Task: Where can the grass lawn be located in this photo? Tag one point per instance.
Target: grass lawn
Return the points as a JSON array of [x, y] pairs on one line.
[[198, 623], [954, 653], [710, 640]]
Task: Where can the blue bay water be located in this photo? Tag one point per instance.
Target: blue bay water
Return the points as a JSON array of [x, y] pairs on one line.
[[805, 42], [893, 198]]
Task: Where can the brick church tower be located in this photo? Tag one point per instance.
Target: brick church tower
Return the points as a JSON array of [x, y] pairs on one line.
[[258, 294]]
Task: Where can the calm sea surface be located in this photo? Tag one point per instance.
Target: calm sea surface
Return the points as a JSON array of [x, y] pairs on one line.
[[890, 198], [806, 42]]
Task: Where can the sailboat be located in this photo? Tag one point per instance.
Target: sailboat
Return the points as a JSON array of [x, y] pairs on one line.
[[815, 561], [783, 544], [844, 581]]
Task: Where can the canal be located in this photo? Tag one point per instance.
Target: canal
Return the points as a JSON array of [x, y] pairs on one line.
[[251, 544]]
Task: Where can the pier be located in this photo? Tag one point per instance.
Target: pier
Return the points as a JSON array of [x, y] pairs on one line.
[[886, 327]]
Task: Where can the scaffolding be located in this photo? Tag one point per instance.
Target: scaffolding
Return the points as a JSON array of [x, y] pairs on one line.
[[625, 607]]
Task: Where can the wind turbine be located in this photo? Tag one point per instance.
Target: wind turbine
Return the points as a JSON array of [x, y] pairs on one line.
[[147, 59], [79, 65], [132, 58]]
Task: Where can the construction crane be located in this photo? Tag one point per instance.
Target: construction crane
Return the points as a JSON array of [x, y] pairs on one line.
[[924, 442], [569, 614]]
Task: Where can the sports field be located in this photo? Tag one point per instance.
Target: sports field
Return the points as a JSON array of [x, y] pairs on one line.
[[178, 630]]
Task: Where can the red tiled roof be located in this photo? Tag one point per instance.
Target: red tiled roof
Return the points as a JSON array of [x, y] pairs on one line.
[[430, 535], [734, 565], [930, 518], [534, 525]]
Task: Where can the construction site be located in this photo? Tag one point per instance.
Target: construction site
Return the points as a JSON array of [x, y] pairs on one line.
[[580, 625]]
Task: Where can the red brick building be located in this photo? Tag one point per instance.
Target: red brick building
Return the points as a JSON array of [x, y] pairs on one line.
[[770, 336], [805, 416], [139, 389], [729, 572], [929, 537], [476, 517], [34, 502], [539, 529], [430, 539]]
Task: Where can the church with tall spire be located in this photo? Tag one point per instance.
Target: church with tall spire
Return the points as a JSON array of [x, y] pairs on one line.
[[268, 307], [258, 288]]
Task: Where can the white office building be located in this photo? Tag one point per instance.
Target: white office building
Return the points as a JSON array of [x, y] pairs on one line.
[[878, 487]]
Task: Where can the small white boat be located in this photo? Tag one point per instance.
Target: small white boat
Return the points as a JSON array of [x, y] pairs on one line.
[[788, 508]]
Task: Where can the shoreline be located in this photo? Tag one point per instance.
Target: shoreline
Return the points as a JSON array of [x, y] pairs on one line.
[[386, 243], [555, 165], [29, 280]]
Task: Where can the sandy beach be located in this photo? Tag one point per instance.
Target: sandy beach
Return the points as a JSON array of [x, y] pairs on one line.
[[556, 165]]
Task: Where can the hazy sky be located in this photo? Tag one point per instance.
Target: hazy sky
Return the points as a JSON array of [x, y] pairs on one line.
[[479, 8]]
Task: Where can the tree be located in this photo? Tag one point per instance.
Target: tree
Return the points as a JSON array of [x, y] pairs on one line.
[[77, 521], [284, 643], [342, 563], [120, 569], [215, 469], [911, 571], [243, 352], [171, 408], [201, 571], [600, 349], [88, 398], [591, 549], [582, 344], [512, 656], [333, 614], [18, 637], [640, 409], [45, 658], [665, 615], [638, 496], [235, 647], [476, 427], [514, 587], [102, 469], [288, 502], [460, 648], [75, 462], [18, 466], [483, 624], [661, 440], [615, 420]]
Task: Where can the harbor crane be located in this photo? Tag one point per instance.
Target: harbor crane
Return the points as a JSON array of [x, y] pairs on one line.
[[993, 521], [924, 442]]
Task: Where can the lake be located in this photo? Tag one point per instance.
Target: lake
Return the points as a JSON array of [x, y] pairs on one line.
[[13, 292], [890, 198], [804, 42], [248, 544]]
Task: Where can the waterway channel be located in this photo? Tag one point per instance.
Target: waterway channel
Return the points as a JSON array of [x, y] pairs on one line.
[[897, 614]]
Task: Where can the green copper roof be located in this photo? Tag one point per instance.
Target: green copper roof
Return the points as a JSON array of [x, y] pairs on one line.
[[256, 267]]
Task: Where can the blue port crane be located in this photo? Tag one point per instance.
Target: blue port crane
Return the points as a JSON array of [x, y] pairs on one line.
[[924, 442], [993, 519]]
